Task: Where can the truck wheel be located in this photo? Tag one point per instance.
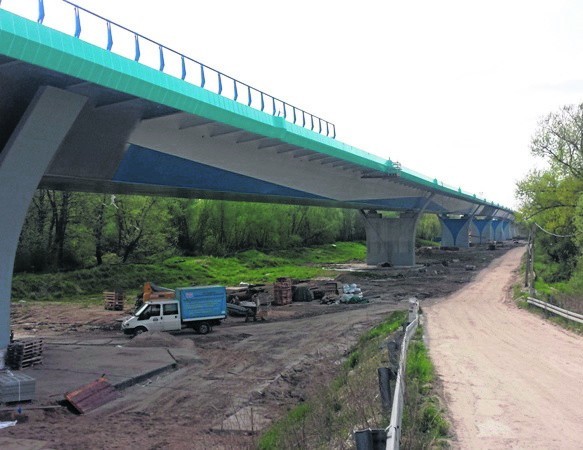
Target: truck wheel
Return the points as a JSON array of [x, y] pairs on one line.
[[139, 330], [203, 328]]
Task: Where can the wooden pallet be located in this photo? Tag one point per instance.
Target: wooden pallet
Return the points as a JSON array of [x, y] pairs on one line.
[[113, 301], [24, 353], [282, 291]]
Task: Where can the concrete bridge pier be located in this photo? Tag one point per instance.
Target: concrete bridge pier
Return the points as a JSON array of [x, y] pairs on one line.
[[23, 160], [455, 231], [500, 229], [390, 239], [482, 228], [506, 230]]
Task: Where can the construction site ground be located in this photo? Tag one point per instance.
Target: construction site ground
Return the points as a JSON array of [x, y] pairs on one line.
[[185, 390]]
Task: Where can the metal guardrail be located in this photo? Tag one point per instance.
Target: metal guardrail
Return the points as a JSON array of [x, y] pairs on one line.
[[189, 69], [394, 428], [555, 309]]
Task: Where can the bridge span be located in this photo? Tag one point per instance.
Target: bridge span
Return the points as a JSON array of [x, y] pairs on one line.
[[76, 116]]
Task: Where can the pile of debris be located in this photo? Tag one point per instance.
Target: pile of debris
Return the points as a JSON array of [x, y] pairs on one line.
[[253, 301]]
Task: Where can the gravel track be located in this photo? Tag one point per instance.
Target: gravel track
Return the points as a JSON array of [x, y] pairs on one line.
[[510, 379]]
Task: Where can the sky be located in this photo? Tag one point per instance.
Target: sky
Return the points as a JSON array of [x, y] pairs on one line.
[[451, 89]]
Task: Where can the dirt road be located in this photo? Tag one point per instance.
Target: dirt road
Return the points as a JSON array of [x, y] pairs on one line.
[[511, 380]]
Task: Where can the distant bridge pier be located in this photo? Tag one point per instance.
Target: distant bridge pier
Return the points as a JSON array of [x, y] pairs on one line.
[[483, 229], [31, 146], [390, 239], [496, 230], [506, 230], [455, 231], [500, 229]]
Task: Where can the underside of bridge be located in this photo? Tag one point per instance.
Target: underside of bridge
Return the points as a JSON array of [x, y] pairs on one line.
[[77, 117]]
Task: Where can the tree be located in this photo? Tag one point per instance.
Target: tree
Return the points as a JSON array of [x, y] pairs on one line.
[[559, 139], [552, 198], [141, 223]]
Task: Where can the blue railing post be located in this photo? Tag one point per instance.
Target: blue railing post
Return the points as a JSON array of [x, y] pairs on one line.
[[41, 11], [77, 23], [109, 37], [330, 128], [161, 58], [137, 57]]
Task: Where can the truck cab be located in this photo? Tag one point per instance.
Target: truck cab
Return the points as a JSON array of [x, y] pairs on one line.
[[161, 315]]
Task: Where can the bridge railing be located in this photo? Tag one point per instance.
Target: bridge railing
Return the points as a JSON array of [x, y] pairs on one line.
[[84, 24]]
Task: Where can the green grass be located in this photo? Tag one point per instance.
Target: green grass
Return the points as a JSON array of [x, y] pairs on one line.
[[424, 423], [388, 326], [272, 437], [251, 266], [425, 243], [419, 366]]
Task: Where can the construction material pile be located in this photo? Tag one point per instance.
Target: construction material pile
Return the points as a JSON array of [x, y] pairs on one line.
[[24, 353], [16, 387], [352, 294]]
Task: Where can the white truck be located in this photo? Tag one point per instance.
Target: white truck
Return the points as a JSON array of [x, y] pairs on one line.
[[198, 307]]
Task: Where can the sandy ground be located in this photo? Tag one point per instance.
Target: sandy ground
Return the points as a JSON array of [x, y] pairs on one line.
[[511, 380]]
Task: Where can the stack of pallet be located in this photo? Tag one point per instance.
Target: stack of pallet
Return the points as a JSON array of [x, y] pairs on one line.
[[282, 291], [113, 300], [16, 387], [24, 353]]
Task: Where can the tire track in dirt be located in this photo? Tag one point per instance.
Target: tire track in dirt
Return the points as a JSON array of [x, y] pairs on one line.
[[510, 379]]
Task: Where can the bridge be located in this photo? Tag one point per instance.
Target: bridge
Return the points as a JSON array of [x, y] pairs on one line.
[[78, 116]]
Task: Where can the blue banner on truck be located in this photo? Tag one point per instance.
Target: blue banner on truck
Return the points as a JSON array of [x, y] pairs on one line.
[[202, 302]]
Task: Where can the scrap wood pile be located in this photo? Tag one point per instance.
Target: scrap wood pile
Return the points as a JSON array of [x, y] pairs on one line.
[[24, 353]]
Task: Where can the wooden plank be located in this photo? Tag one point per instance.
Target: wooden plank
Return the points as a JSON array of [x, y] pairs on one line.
[[92, 395]]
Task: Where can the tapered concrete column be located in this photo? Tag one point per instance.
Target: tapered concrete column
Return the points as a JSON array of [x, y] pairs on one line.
[[23, 161], [513, 230], [497, 230], [482, 228], [455, 232], [390, 240]]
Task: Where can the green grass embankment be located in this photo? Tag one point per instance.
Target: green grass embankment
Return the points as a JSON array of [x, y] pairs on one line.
[[251, 266], [349, 401], [424, 423]]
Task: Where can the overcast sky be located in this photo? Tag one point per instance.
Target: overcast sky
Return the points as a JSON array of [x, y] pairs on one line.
[[451, 89]]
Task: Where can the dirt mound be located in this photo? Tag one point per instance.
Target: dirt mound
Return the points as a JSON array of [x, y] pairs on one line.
[[159, 339]]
